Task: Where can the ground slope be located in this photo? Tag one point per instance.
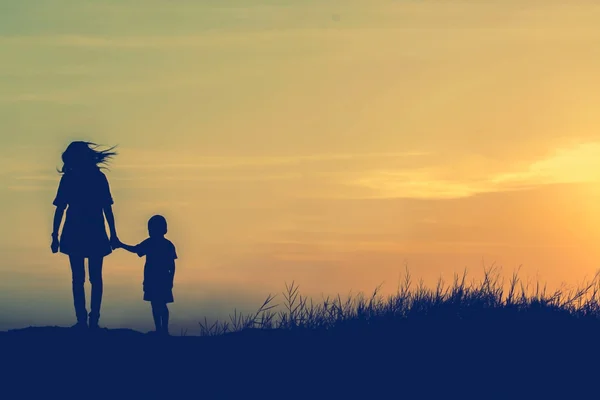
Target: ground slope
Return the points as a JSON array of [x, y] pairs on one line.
[[427, 359]]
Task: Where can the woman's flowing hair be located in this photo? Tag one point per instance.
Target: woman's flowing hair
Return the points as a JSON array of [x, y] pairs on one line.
[[83, 156]]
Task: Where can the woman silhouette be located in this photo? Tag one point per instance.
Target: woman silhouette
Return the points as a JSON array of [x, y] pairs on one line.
[[84, 189]]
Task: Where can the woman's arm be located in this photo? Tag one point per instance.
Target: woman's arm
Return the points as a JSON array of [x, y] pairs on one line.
[[58, 216], [110, 218]]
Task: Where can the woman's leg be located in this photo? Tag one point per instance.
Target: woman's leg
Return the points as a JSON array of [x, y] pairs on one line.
[[95, 266], [165, 319], [157, 314], [78, 279]]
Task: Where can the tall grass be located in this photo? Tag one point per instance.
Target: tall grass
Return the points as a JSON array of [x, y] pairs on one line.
[[491, 296]]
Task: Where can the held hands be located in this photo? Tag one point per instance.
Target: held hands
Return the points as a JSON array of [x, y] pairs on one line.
[[115, 243]]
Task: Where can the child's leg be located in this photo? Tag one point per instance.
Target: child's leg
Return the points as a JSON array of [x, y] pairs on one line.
[[165, 319], [157, 314]]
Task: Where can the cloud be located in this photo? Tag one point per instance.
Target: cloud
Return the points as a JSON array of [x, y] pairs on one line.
[[85, 94], [202, 162], [107, 41], [29, 188], [577, 164], [211, 39], [155, 175], [415, 184], [164, 204], [45, 178], [52, 97]]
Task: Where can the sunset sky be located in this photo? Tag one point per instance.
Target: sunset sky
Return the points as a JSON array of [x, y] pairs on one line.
[[327, 142]]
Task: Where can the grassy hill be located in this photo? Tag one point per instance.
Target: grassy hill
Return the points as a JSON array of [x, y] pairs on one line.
[[483, 341]]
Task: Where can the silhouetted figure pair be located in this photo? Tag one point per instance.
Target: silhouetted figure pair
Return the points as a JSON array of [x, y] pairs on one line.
[[84, 193]]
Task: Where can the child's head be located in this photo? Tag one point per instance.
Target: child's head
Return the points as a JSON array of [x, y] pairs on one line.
[[157, 226], [83, 156]]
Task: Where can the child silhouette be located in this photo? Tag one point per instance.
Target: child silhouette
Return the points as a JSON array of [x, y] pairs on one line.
[[159, 270]]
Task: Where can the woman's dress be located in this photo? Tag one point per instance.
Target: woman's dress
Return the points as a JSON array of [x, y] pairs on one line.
[[85, 195]]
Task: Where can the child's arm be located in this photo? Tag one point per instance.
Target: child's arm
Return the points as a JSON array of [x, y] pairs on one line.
[[141, 249], [129, 248]]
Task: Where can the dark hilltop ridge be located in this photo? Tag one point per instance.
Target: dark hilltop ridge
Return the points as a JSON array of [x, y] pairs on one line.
[[482, 341]]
